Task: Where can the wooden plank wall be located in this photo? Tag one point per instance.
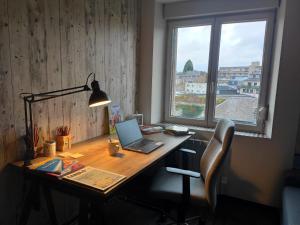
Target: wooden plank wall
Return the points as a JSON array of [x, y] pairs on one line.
[[52, 44]]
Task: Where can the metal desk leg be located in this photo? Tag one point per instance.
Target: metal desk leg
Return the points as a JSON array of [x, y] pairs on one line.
[[97, 213], [28, 203], [50, 205], [84, 212]]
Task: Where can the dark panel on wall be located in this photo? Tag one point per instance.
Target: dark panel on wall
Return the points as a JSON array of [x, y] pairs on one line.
[[298, 139]]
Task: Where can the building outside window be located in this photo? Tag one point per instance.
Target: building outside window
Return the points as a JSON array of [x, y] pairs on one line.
[[218, 67]]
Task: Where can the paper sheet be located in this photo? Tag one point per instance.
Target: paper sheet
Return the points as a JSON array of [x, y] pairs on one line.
[[69, 154], [96, 178]]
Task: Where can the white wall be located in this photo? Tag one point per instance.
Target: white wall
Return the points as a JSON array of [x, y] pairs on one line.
[[146, 59], [151, 79], [160, 27], [256, 166]]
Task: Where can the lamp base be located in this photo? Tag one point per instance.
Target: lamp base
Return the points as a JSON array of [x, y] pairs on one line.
[[27, 163]]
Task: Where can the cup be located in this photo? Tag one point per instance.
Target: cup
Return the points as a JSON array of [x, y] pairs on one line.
[[50, 148], [113, 147]]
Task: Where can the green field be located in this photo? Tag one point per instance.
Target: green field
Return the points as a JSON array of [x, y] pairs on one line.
[[192, 106], [190, 110]]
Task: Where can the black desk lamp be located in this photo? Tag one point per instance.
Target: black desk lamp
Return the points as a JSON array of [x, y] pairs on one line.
[[97, 98]]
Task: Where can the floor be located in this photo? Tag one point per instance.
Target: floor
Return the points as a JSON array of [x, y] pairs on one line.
[[229, 211]]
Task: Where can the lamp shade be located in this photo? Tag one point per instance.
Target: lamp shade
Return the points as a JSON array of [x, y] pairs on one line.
[[98, 97]]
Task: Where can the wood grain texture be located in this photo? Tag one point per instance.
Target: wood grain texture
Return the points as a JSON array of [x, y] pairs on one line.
[[90, 61], [99, 57], [128, 163], [38, 63], [54, 75], [52, 44], [80, 122], [21, 77], [5, 83], [67, 27]]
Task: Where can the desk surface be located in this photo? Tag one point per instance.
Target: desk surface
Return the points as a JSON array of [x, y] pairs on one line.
[[127, 163]]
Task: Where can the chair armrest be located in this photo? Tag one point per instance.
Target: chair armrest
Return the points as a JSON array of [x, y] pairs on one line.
[[183, 172], [185, 150], [185, 153]]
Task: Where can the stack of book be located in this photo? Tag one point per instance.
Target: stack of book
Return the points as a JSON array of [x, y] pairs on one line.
[[59, 167], [177, 130], [151, 129]]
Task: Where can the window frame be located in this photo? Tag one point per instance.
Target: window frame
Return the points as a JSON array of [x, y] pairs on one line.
[[171, 68], [216, 25]]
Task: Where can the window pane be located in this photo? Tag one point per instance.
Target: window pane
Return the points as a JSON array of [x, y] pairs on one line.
[[240, 71], [192, 56]]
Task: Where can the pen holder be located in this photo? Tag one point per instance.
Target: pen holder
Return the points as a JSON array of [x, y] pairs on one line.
[[113, 147], [49, 148], [63, 142]]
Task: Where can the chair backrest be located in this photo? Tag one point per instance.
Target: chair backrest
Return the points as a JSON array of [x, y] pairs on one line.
[[213, 158]]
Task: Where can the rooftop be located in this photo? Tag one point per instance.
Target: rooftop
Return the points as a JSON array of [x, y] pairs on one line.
[[242, 108]]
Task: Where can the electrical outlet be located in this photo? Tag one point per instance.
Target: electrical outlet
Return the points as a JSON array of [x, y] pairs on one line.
[[224, 180]]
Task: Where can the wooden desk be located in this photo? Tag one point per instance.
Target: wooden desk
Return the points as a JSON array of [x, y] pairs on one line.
[[96, 154]]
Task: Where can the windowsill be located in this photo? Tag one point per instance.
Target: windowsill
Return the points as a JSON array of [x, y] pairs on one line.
[[211, 130]]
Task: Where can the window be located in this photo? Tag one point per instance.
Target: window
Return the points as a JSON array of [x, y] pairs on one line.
[[190, 93], [218, 68]]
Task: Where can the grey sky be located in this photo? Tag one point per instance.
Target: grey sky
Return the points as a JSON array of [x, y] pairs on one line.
[[241, 44]]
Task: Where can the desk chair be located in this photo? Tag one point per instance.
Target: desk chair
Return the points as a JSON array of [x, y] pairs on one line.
[[186, 187]]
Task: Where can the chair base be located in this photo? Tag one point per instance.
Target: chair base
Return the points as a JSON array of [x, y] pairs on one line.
[[163, 214], [186, 222]]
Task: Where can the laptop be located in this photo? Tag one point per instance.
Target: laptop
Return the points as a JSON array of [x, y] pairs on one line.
[[131, 138]]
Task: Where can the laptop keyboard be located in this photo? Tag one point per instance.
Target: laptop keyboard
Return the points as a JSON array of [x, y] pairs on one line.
[[141, 143]]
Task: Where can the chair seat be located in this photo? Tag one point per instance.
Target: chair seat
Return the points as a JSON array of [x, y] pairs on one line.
[[168, 186]]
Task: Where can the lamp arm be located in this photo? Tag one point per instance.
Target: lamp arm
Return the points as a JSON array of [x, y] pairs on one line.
[[85, 88], [30, 98], [53, 94]]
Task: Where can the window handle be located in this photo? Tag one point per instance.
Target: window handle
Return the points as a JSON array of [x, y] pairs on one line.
[[263, 112]]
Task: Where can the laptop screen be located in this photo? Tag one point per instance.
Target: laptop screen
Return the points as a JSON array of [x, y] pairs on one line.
[[128, 132]]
